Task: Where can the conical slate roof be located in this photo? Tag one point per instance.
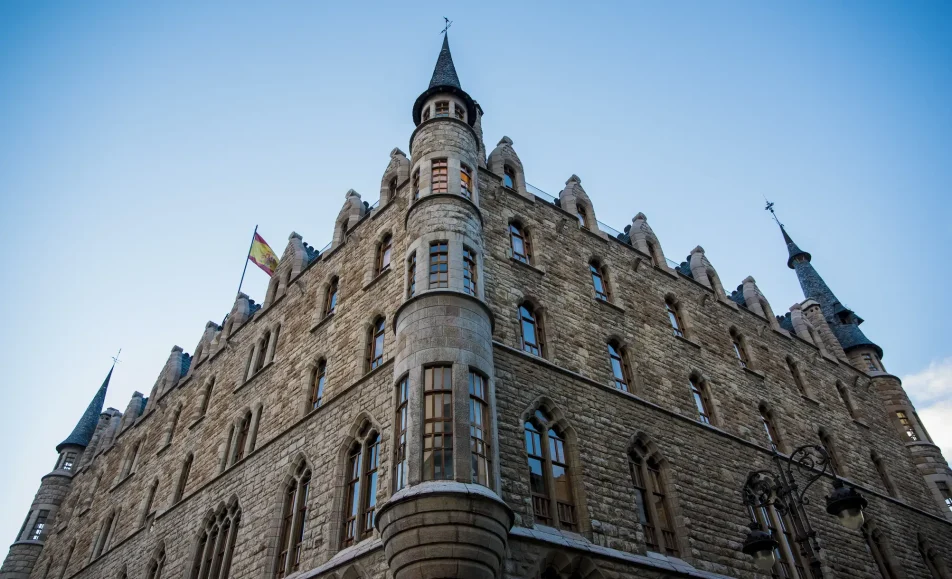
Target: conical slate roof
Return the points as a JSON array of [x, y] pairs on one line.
[[83, 432], [444, 74], [792, 249], [445, 80]]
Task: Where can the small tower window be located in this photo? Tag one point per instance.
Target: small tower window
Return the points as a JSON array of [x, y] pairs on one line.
[[392, 188], [439, 265], [330, 300], [508, 177], [400, 449], [439, 176], [442, 108], [870, 363], [582, 216], [438, 423], [469, 271], [426, 114], [318, 382], [620, 371], [674, 316], [383, 254], [411, 275], [599, 281], [945, 493], [459, 111], [479, 428], [531, 330], [375, 347], [465, 182], [415, 185], [519, 241], [39, 526], [907, 426], [69, 459], [702, 400]]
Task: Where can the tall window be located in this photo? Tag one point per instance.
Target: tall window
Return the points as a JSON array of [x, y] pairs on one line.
[[465, 182], [531, 330], [827, 441], [580, 213], [172, 425], [549, 479], [740, 349], [400, 448], [702, 400], [770, 426], [415, 184], [508, 177], [262, 352], [439, 176], [352, 506], [383, 254], [442, 109], [131, 459], [651, 503], [876, 544], [330, 300], [426, 114], [369, 501], [479, 429], [206, 398], [599, 281], [907, 426], [768, 517], [39, 526], [244, 430], [459, 111], [155, 566], [519, 242], [797, 378], [66, 460], [674, 316], [411, 275], [844, 393], [147, 506], [469, 271], [362, 464], [293, 523], [883, 474], [375, 347], [183, 479], [102, 541], [439, 265], [620, 370], [438, 423], [392, 188], [945, 493], [216, 545], [318, 381], [933, 560]]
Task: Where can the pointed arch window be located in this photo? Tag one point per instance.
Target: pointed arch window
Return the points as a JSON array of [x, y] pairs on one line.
[[883, 473], [581, 214], [375, 345], [411, 275], [183, 479], [392, 188], [438, 423], [797, 378], [352, 507], [933, 561], [439, 265], [876, 545], [550, 481], [156, 566], [400, 448], [439, 176], [293, 523], [465, 181], [770, 426], [479, 429], [383, 254], [262, 352], [519, 242], [147, 505], [362, 465], [172, 426], [330, 299], [216, 545], [740, 348], [651, 503], [241, 441], [129, 465], [469, 271], [599, 281], [532, 333], [702, 400], [674, 316], [318, 381], [827, 441], [846, 398], [620, 371], [508, 177], [415, 184], [105, 533], [69, 556], [206, 398]]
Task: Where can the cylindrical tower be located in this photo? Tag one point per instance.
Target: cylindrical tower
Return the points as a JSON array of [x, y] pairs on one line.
[[445, 518]]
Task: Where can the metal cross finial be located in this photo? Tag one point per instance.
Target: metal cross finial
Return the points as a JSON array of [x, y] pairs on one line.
[[115, 359], [448, 24], [770, 208]]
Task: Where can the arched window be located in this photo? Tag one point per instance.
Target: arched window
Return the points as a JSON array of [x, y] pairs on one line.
[[702, 399], [519, 242], [827, 441], [438, 423], [883, 473], [172, 425], [330, 299], [479, 429], [241, 441], [132, 457], [847, 399], [653, 252], [415, 184], [363, 461], [787, 553], [654, 512], [156, 565], [262, 352], [549, 478], [206, 398], [620, 370], [465, 181], [439, 176], [392, 189], [383, 254], [183, 479], [581, 214], [508, 177], [216, 544], [532, 335], [411, 275], [740, 348], [932, 559], [293, 523], [147, 505], [877, 547], [599, 281], [439, 265], [797, 378], [673, 309], [101, 544], [400, 448], [469, 271], [318, 380], [69, 555], [375, 345], [770, 427]]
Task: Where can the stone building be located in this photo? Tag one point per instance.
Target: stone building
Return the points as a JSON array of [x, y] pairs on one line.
[[477, 380]]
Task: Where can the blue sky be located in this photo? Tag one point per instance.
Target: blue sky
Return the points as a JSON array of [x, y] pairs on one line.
[[140, 145]]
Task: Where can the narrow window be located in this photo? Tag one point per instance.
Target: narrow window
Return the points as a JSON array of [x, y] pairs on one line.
[[392, 188], [369, 501], [765, 516], [827, 441], [846, 399], [876, 546], [39, 526], [411, 275], [375, 347], [262, 352], [933, 561], [740, 349], [383, 254], [459, 111], [651, 502], [652, 251], [674, 316], [701, 400], [770, 428], [907, 425], [479, 429], [442, 108], [131, 459], [508, 177], [147, 506], [616, 356], [797, 379], [438, 423], [538, 485], [787, 534], [945, 493], [173, 425], [439, 176], [69, 459], [317, 384], [519, 241], [870, 364], [883, 474], [183, 479], [415, 185], [330, 300], [465, 182], [400, 449], [545, 447], [102, 542], [531, 330], [156, 565], [580, 213], [353, 496], [439, 265], [469, 271], [207, 398], [244, 428], [599, 281], [301, 524], [215, 546], [284, 538], [426, 114]]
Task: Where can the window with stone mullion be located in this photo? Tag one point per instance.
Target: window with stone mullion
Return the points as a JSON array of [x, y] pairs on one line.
[[369, 500], [479, 429], [400, 448], [438, 423], [352, 506]]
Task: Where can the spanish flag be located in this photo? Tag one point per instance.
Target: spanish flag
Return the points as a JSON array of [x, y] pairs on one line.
[[262, 255]]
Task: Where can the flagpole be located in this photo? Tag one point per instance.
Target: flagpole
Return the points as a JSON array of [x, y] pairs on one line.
[[246, 259]]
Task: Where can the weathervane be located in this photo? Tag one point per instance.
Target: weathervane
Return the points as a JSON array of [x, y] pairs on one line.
[[115, 359], [769, 207], [448, 24]]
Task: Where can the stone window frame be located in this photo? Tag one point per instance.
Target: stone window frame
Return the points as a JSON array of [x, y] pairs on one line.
[[434, 424], [480, 428], [415, 185], [330, 296], [884, 477], [828, 442], [376, 334], [439, 175], [156, 563], [675, 314], [131, 459], [184, 473], [510, 174], [617, 350], [470, 271], [38, 528], [441, 109], [599, 274], [315, 390], [69, 557], [703, 399], [907, 422], [465, 181], [879, 549], [932, 559], [846, 397], [775, 437], [401, 424], [411, 274], [292, 521], [206, 397], [212, 555], [441, 254], [459, 111], [787, 552], [103, 539], [793, 367], [392, 188], [522, 234], [641, 454], [145, 511], [383, 254], [242, 436], [537, 318], [263, 351], [741, 348], [362, 430], [173, 424]]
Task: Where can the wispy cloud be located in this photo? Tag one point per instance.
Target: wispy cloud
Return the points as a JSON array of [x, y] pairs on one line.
[[931, 392]]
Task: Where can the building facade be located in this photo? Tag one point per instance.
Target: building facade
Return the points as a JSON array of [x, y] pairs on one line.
[[477, 380]]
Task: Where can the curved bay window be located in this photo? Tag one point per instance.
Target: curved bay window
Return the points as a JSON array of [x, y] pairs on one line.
[[620, 370], [550, 482], [508, 177], [383, 254], [400, 448], [216, 545], [439, 265], [702, 400], [519, 243], [479, 429], [599, 281], [362, 463], [438, 423], [330, 300], [531, 327], [375, 343], [674, 316], [469, 271], [293, 523], [465, 182], [651, 503], [439, 176], [318, 381]]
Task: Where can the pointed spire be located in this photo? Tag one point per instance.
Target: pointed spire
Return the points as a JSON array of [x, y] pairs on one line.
[[446, 81], [792, 249], [444, 74], [87, 423]]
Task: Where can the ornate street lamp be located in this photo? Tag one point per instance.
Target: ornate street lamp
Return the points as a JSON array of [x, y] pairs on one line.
[[764, 488]]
